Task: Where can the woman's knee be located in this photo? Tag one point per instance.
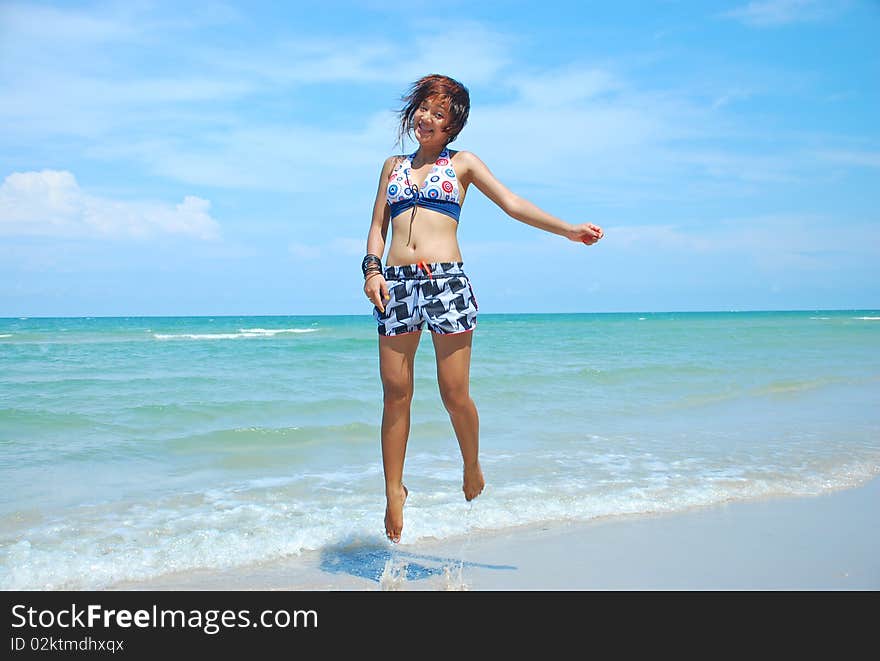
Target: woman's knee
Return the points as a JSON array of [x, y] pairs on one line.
[[455, 397], [397, 391]]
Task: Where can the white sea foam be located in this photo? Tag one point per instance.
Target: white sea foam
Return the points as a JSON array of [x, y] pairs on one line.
[[243, 332], [276, 331], [197, 336], [868, 318], [5, 334], [105, 544]]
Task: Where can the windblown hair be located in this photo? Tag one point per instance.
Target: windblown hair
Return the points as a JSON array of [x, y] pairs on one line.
[[444, 88]]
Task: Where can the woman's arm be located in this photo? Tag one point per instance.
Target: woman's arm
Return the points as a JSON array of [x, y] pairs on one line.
[[519, 208], [375, 286], [381, 213]]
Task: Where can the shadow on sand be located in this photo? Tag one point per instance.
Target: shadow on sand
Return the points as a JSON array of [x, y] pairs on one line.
[[371, 562]]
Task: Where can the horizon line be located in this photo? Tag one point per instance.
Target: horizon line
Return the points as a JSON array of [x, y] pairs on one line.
[[367, 314]]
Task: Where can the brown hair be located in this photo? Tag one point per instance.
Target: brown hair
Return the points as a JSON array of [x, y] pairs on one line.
[[444, 88]]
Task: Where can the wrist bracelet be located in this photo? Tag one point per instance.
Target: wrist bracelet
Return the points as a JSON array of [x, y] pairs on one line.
[[370, 262]]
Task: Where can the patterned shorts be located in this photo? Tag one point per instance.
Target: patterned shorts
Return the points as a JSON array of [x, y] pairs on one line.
[[443, 298]]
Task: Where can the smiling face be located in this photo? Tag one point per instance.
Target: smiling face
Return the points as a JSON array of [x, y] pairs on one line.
[[430, 122], [435, 110]]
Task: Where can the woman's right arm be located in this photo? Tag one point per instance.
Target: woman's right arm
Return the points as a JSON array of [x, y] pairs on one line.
[[520, 208], [375, 286]]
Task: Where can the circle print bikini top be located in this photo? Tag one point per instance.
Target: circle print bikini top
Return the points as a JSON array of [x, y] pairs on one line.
[[440, 192]]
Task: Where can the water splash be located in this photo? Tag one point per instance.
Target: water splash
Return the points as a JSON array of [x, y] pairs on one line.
[[393, 577], [453, 578]]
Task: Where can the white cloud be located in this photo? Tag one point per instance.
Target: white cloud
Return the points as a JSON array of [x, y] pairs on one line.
[[192, 121], [605, 131], [771, 13], [113, 75], [265, 157], [576, 124], [565, 87], [28, 21], [730, 96], [771, 242], [305, 251], [51, 203], [584, 127], [659, 237], [470, 50], [525, 243], [106, 23], [338, 247], [349, 247], [728, 165], [868, 159]]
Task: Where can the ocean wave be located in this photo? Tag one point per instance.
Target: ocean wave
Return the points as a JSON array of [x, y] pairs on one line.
[[242, 332], [248, 522], [868, 318], [43, 419], [275, 331], [250, 440]]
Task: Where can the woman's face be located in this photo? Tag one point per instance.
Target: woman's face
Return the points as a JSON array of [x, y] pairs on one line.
[[429, 122]]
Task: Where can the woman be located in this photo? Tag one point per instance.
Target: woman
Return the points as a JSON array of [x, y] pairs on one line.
[[423, 282]]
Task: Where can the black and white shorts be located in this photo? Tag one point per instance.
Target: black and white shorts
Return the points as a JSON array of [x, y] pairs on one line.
[[438, 293]]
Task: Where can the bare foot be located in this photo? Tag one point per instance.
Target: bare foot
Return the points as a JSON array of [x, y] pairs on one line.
[[394, 512], [473, 481]]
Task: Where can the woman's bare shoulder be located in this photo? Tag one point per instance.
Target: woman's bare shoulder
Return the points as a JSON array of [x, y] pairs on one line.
[[467, 163], [461, 154], [391, 162], [467, 159]]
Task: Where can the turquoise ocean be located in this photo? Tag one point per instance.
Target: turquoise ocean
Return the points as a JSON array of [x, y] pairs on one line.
[[133, 447]]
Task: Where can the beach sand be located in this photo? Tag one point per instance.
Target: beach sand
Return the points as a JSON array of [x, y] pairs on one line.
[[826, 542]]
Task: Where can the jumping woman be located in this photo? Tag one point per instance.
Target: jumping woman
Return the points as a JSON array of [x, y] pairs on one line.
[[423, 282]]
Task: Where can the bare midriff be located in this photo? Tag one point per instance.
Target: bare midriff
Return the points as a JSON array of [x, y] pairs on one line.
[[433, 239]]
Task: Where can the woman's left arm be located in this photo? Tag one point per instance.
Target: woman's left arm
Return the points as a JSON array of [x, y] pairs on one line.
[[476, 172]]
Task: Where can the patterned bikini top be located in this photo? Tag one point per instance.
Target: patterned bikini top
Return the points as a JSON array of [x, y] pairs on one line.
[[440, 191]]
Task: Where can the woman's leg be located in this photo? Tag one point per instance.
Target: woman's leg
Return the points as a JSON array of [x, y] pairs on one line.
[[453, 376], [396, 356]]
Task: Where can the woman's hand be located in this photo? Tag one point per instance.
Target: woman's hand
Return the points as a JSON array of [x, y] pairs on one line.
[[376, 290], [586, 233]]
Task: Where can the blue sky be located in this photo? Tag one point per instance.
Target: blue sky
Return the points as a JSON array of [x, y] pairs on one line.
[[222, 158]]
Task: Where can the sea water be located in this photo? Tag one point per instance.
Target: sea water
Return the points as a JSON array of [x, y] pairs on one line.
[[133, 447]]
